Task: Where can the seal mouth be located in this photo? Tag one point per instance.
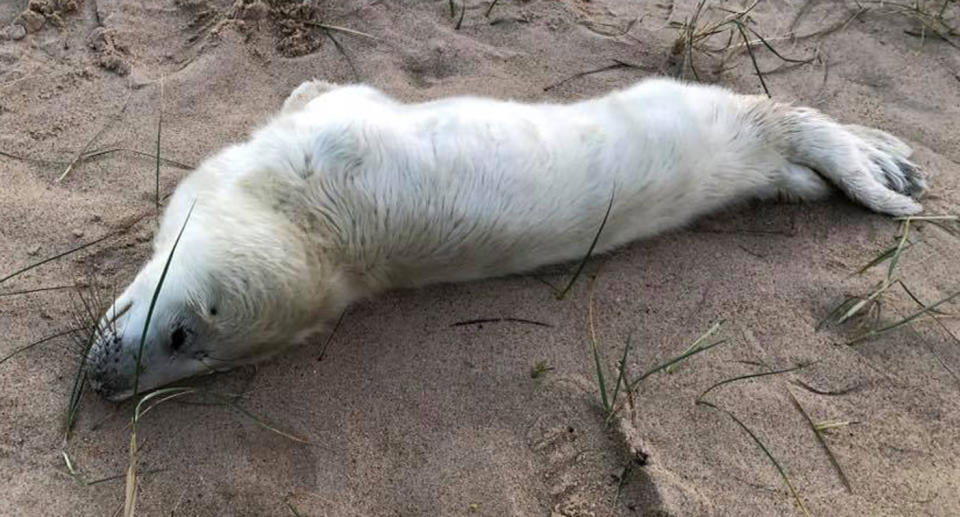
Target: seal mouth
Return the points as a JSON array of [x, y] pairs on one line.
[[115, 396], [114, 373]]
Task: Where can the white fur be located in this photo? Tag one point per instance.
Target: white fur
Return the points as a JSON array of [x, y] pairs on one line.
[[348, 192]]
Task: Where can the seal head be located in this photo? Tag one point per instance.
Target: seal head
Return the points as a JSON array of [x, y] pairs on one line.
[[243, 283]]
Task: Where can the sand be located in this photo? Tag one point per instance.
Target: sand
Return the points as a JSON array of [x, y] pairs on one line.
[[406, 414]]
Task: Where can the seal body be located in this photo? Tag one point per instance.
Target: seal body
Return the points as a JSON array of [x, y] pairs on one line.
[[348, 192]]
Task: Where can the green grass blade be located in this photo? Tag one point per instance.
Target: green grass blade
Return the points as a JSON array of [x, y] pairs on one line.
[[593, 245], [77, 388], [153, 300], [895, 258], [293, 510], [883, 256], [600, 380], [675, 360], [904, 321], [766, 451], [696, 343], [262, 423], [749, 376], [623, 368]]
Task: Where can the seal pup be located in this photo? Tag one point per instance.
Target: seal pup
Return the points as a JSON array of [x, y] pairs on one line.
[[348, 192]]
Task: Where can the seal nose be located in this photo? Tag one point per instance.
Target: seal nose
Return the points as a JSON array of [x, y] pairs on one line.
[[107, 366]]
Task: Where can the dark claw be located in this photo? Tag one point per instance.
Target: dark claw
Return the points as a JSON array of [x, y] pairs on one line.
[[911, 173]]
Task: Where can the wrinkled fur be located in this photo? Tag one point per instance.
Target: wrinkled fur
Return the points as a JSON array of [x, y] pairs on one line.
[[348, 192]]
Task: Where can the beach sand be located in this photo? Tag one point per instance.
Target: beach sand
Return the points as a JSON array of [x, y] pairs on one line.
[[407, 413]]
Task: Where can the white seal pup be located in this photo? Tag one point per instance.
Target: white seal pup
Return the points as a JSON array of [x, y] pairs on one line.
[[348, 192]]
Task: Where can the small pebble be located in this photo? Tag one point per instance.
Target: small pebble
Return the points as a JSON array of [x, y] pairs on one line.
[[30, 20], [14, 31], [78, 233]]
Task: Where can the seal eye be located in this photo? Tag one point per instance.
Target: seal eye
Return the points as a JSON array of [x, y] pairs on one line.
[[178, 338]]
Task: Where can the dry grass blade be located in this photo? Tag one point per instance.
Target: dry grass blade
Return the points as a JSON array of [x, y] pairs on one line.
[[344, 30], [826, 425], [36, 290], [933, 313], [769, 47], [944, 217], [165, 161], [935, 22], [130, 491], [855, 305], [168, 394], [480, 321], [156, 192], [693, 37], [326, 343], [343, 52], [38, 342], [130, 487], [881, 258], [119, 476], [96, 137], [160, 396], [823, 443], [859, 303], [262, 423], [293, 511], [753, 59], [696, 344], [20, 158], [57, 256], [766, 451], [617, 64], [80, 478], [828, 393]]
